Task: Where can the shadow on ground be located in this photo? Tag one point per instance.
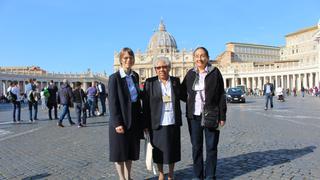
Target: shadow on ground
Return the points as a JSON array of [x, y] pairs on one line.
[[38, 176], [232, 167]]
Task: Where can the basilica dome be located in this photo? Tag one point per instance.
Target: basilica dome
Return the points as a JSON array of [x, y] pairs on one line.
[[162, 41]]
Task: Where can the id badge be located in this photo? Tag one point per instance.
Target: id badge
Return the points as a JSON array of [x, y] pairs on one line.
[[166, 99]]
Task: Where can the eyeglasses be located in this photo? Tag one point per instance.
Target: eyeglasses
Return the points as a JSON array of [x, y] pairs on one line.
[[161, 67]]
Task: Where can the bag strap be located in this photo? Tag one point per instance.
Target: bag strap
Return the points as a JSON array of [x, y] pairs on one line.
[[202, 100]]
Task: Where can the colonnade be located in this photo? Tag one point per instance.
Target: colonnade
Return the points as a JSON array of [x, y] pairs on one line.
[[286, 81]]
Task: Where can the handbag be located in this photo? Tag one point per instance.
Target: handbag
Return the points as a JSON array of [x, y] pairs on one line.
[[148, 149], [210, 117]]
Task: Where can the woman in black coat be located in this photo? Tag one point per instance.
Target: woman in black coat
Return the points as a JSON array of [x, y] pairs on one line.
[[161, 107], [125, 108]]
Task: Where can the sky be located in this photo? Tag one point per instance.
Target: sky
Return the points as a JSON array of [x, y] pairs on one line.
[[74, 35]]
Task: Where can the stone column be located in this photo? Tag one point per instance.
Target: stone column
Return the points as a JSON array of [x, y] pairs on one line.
[[299, 82], [288, 83], [294, 80], [309, 75], [254, 83], [313, 79], [1, 88], [317, 79], [305, 80], [225, 82], [260, 83]]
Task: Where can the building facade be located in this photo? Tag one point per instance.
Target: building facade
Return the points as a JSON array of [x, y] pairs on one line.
[[292, 66], [23, 74]]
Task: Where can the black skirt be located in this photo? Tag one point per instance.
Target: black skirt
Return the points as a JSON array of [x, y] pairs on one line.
[[124, 147], [166, 144]]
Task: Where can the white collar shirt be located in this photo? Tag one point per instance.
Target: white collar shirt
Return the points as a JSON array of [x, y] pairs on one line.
[[132, 88], [167, 115], [199, 88]]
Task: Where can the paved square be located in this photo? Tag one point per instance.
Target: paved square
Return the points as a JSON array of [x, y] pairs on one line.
[[281, 143]]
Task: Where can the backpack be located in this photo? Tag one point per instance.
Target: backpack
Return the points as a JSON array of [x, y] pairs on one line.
[[46, 93], [11, 96], [33, 96]]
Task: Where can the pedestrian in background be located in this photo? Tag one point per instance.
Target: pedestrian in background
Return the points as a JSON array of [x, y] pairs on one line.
[[16, 98], [65, 98], [79, 99], [52, 100], [92, 94], [268, 92], [102, 96], [33, 97]]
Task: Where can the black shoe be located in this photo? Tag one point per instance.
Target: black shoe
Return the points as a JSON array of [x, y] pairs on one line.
[[60, 125], [101, 114], [271, 106], [50, 118], [36, 119], [56, 118], [72, 123]]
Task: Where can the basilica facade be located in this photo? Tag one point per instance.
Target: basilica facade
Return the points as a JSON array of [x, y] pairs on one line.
[[295, 65]]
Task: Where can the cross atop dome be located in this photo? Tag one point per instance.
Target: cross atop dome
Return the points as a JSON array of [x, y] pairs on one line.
[[162, 27]]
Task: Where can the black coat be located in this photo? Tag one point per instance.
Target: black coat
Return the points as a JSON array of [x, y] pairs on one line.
[[214, 92], [53, 94], [153, 103], [120, 105]]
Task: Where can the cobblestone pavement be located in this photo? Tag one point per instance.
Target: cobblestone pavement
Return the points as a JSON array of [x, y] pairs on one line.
[[281, 143]]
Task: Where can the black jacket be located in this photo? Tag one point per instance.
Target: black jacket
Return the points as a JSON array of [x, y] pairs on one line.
[[79, 97], [152, 101], [53, 93], [214, 92], [120, 105]]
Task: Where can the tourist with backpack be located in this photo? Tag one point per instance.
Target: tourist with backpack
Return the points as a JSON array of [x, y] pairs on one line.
[[33, 97], [15, 98]]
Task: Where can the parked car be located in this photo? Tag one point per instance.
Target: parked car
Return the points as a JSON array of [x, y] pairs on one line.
[[235, 95]]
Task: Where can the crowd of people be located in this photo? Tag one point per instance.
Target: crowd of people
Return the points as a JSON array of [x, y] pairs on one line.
[[51, 98]]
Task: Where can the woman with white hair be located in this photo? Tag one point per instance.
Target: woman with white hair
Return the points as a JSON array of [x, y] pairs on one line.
[[161, 107]]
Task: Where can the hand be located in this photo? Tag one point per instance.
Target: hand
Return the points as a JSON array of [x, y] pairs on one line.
[[120, 129], [222, 123], [146, 130]]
